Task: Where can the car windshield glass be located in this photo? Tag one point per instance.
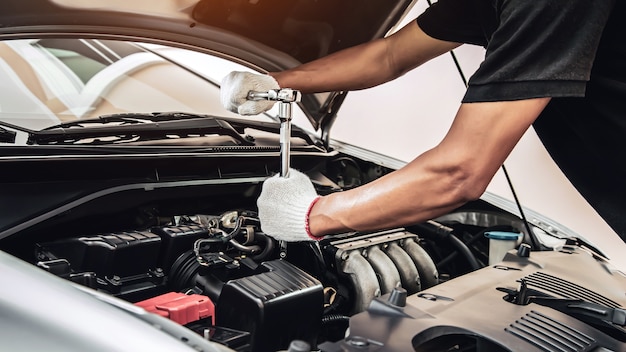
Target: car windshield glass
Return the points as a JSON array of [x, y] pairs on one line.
[[46, 82]]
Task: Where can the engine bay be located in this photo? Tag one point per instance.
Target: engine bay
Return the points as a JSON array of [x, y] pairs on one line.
[[199, 257], [211, 271]]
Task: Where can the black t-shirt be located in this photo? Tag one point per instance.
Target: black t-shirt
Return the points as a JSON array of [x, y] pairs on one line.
[[570, 50]]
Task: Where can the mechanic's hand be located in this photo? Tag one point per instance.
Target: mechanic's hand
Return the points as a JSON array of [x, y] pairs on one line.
[[235, 88], [284, 206]]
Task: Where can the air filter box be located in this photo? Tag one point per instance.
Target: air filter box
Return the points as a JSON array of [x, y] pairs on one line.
[[276, 307], [121, 254], [177, 240]]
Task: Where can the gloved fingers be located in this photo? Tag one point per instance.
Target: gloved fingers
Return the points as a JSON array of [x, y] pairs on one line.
[[231, 107], [229, 91], [284, 204], [234, 92], [251, 107], [296, 183]]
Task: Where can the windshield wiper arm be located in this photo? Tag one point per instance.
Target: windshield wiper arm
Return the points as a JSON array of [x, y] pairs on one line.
[[7, 136], [128, 118], [131, 127]]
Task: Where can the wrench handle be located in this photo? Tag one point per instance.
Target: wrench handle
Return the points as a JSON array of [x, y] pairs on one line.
[[284, 97], [254, 95], [284, 114], [285, 146]]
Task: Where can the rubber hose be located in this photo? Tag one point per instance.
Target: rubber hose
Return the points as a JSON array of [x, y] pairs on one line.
[[332, 318], [467, 253], [269, 248]]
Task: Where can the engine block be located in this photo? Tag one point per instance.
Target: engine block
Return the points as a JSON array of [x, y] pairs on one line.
[[377, 263]]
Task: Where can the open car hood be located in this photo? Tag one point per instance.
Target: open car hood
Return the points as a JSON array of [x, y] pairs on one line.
[[271, 35]]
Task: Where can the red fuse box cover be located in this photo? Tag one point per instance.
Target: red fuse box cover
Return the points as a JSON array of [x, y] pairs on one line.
[[180, 307]]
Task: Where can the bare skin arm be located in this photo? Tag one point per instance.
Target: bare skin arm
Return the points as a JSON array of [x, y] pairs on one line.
[[366, 65], [443, 178], [454, 172]]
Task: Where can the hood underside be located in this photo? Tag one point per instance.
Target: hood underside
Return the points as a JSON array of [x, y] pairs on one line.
[[262, 34]]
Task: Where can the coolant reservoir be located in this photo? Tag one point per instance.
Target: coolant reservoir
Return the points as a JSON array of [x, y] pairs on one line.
[[500, 242]]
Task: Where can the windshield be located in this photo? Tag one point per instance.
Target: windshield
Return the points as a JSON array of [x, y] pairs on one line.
[[46, 82]]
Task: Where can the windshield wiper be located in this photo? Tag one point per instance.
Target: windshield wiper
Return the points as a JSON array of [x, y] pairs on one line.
[[7, 136], [111, 129]]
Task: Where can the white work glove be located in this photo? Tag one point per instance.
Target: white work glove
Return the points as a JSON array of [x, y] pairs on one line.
[[235, 88], [284, 206]]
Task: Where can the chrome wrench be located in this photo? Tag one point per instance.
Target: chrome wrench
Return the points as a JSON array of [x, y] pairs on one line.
[[284, 97]]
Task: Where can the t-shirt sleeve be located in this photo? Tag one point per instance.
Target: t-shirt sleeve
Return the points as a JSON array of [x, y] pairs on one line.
[[461, 21], [533, 48]]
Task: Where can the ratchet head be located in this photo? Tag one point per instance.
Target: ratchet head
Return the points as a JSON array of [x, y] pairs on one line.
[[285, 95]]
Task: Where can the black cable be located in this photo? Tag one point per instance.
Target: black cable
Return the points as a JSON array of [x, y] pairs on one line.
[[467, 253], [444, 232], [521, 210], [458, 67], [480, 234]]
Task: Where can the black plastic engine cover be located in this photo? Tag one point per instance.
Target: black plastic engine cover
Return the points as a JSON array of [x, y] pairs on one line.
[[276, 307], [121, 254]]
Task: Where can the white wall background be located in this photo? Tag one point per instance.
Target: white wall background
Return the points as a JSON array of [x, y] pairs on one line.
[[405, 117]]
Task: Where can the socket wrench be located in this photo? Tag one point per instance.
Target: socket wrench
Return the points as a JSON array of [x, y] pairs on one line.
[[284, 97]]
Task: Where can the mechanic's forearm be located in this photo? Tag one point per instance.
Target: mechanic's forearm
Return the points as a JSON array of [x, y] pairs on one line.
[[420, 191], [457, 170], [359, 67], [366, 65]]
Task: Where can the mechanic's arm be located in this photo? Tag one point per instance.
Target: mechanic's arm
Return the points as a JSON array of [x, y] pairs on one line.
[[358, 67], [366, 65], [454, 172]]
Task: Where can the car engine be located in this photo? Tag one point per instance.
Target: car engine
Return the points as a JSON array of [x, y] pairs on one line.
[[212, 271], [425, 287]]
